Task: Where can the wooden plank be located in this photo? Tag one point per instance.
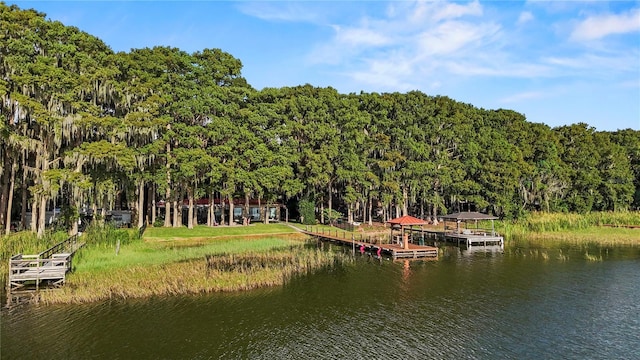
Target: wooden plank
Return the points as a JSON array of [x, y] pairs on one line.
[[31, 268], [396, 250]]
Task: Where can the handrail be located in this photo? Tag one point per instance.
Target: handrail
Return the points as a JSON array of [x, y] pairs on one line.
[[72, 240]]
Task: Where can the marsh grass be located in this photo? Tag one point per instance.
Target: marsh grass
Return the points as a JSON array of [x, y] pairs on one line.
[[223, 271], [143, 253], [555, 222], [575, 228], [533, 253], [106, 236], [591, 257], [601, 236], [168, 261], [26, 242], [562, 256]]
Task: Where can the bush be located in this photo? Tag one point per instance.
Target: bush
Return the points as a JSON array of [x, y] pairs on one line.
[[307, 212], [332, 215], [108, 236], [159, 222]]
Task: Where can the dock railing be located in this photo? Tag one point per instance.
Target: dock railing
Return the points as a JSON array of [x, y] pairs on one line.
[[341, 234], [62, 246], [31, 268], [51, 264]]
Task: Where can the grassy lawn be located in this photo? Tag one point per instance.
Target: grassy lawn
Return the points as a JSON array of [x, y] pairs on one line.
[[168, 245], [161, 233], [145, 253]]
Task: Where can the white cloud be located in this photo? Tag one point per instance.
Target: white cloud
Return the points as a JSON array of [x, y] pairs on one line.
[[421, 11], [455, 10], [360, 36], [525, 17], [452, 36], [411, 44], [392, 74], [454, 47], [618, 62], [502, 68], [281, 11], [600, 26]]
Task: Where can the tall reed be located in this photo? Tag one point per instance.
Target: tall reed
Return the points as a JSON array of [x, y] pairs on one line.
[[210, 273], [539, 222]]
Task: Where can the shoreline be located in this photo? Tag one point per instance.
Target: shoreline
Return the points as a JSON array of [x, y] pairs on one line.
[[166, 264], [187, 266]]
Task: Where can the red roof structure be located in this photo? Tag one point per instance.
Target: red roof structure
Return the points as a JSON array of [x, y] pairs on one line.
[[407, 221], [402, 222]]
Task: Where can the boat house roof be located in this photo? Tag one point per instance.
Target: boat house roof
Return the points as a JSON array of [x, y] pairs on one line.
[[407, 221], [470, 215]]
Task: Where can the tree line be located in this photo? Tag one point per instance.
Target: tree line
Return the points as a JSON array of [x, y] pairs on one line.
[[85, 126]]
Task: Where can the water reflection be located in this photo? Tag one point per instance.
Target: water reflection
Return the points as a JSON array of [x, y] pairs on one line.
[[406, 271], [464, 305], [487, 250]]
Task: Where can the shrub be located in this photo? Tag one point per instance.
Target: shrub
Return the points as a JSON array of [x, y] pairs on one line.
[[307, 212]]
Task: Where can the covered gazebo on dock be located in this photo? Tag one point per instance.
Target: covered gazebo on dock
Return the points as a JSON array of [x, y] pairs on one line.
[[406, 221], [465, 217]]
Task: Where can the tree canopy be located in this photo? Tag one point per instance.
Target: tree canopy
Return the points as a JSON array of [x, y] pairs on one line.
[[86, 128]]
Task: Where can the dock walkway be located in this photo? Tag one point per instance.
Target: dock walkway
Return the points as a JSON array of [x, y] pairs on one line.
[[51, 265], [358, 241]]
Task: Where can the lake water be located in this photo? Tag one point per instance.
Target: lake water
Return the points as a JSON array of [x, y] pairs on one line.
[[520, 304]]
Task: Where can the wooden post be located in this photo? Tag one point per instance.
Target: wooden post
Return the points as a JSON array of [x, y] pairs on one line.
[[353, 244]]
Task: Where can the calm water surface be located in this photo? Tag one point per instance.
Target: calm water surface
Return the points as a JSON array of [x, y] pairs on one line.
[[521, 304]]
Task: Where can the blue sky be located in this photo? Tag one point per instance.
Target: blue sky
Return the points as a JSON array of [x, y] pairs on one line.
[[557, 62]]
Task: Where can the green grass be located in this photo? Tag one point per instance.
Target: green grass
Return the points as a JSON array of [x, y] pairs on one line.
[[168, 261], [603, 236], [155, 268], [167, 245], [145, 253], [224, 272], [575, 227], [26, 242], [555, 222], [217, 231]]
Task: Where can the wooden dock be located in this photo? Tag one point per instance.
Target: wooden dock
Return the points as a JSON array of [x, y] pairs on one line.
[[463, 238], [50, 266], [361, 243]]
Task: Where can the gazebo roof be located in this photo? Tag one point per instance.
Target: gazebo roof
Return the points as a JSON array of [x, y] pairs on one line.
[[470, 215], [407, 220]]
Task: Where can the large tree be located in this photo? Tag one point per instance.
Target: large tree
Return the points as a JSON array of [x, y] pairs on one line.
[[85, 128]]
